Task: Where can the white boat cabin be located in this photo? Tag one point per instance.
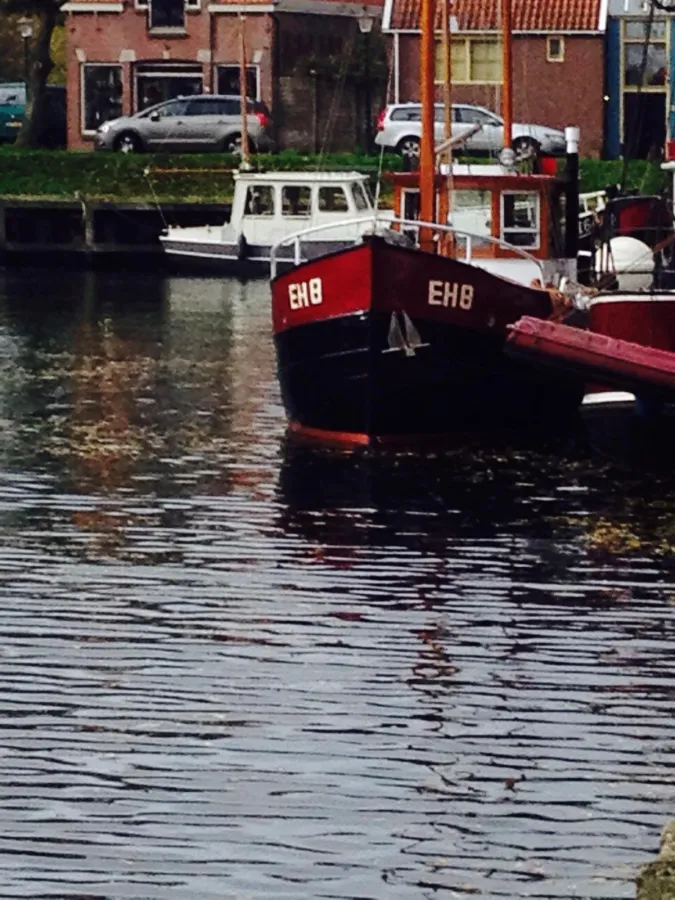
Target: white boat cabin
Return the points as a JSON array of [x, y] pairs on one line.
[[269, 206]]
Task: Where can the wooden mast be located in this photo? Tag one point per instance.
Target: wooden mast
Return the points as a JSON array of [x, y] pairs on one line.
[[445, 198], [507, 72], [427, 98], [243, 105]]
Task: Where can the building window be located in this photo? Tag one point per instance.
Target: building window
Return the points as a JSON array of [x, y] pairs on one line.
[[101, 95], [520, 219], [189, 4], [555, 49], [160, 81], [164, 14], [474, 61], [227, 80], [645, 55]]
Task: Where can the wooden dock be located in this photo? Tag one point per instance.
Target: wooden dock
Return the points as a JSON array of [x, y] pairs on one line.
[[90, 231]]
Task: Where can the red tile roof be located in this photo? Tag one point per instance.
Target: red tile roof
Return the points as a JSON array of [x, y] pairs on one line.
[[528, 15]]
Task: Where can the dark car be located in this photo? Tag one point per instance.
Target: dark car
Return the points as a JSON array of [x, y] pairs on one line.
[[200, 123], [52, 125]]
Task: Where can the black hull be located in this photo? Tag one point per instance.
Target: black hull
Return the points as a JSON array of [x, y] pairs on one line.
[[636, 435], [340, 376]]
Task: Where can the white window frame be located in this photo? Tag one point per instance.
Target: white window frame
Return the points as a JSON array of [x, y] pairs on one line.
[[560, 55], [515, 229], [235, 65], [89, 132], [193, 5]]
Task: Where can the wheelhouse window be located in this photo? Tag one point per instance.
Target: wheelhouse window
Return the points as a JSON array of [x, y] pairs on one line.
[[471, 213], [360, 197], [227, 78], [157, 82], [101, 95], [259, 200], [163, 14], [520, 219], [333, 199], [296, 201]]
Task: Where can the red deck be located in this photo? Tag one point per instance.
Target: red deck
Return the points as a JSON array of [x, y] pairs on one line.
[[596, 357]]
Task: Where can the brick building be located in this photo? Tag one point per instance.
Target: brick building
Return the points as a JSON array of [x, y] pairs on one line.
[[558, 59], [302, 56]]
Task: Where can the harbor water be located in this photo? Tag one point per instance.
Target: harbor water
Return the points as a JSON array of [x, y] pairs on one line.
[[234, 669]]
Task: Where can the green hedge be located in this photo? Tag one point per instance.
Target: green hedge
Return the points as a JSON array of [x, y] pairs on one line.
[[116, 176], [208, 177]]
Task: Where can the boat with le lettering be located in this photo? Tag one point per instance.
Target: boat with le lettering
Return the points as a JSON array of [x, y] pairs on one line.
[[626, 353]]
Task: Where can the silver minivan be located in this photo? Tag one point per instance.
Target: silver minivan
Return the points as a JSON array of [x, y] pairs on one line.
[[201, 123]]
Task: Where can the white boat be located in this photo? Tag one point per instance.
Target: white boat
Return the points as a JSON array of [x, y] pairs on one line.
[[267, 207]]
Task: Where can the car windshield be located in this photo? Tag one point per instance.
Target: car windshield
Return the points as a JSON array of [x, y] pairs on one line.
[[172, 108]]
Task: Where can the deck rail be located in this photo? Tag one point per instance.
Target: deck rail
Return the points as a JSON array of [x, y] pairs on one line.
[[381, 224]]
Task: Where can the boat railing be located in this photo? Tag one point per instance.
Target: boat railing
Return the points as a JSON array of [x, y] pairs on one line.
[[386, 222]]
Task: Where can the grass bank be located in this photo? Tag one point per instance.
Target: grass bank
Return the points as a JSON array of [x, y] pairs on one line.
[[208, 177]]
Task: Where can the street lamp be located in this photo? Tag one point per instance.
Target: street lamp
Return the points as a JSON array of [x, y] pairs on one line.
[[366, 22], [26, 32]]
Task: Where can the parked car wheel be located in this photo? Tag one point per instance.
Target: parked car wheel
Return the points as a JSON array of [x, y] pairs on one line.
[[232, 144], [409, 148], [526, 148], [128, 142]]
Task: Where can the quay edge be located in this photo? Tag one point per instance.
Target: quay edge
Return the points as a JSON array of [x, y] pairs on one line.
[[39, 230]]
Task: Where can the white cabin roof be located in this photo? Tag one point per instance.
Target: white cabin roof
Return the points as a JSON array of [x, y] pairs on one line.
[[491, 169], [299, 177]]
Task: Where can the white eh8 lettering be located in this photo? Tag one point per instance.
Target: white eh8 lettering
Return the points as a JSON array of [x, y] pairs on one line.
[[305, 293], [450, 293]]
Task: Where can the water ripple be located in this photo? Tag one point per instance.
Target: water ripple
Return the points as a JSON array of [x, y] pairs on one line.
[[233, 669]]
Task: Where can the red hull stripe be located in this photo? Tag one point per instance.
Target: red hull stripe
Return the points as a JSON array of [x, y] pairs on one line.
[[352, 440], [383, 278]]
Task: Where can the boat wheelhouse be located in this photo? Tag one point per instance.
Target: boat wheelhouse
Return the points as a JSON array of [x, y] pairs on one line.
[[269, 206], [505, 220]]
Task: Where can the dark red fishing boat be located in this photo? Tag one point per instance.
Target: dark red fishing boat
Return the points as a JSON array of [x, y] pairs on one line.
[[400, 338]]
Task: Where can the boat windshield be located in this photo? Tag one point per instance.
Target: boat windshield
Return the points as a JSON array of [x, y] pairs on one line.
[[360, 198]]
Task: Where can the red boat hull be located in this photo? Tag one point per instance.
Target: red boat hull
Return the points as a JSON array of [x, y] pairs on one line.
[[628, 362], [382, 344]]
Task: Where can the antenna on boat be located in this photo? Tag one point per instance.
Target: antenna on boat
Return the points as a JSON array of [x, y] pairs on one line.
[[448, 25], [572, 133], [245, 164]]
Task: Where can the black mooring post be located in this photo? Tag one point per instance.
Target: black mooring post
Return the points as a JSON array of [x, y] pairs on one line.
[[572, 192]]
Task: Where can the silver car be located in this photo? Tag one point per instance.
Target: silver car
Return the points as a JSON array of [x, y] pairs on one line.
[[203, 123], [399, 128]]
